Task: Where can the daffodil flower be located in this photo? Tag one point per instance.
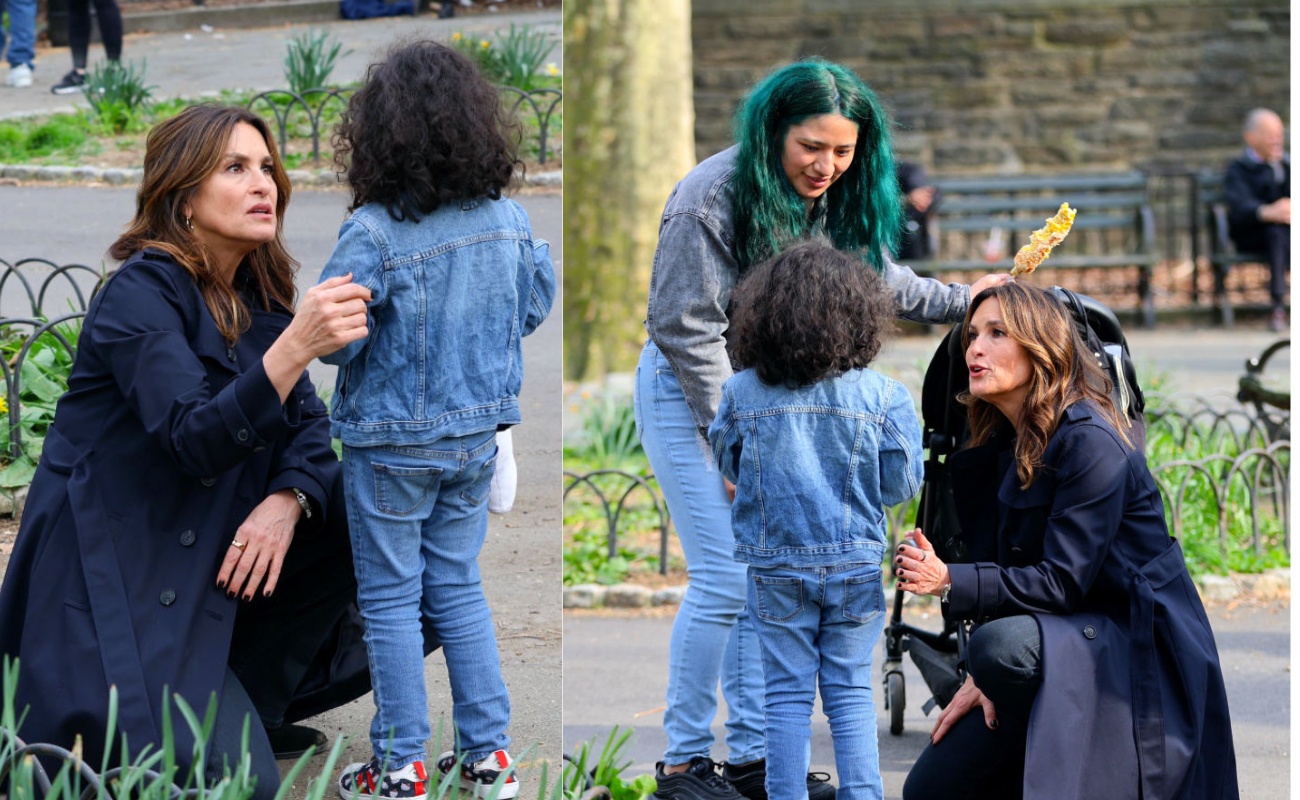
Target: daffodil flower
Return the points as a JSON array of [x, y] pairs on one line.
[[485, 44], [551, 69], [457, 36]]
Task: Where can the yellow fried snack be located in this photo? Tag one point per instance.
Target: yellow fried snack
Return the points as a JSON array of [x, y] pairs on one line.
[[1043, 240]]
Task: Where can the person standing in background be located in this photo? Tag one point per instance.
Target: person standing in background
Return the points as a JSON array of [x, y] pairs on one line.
[[22, 41], [110, 30]]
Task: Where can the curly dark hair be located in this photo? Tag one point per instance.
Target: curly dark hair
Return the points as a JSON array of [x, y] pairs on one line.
[[426, 128], [809, 313]]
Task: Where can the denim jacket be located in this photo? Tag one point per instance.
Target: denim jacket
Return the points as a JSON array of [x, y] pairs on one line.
[[695, 269], [451, 297], [815, 467]]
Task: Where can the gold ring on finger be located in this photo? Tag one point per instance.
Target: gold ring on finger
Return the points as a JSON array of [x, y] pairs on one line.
[[238, 545]]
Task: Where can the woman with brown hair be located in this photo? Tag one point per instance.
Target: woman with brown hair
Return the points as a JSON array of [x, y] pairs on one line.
[[1092, 662], [184, 533]]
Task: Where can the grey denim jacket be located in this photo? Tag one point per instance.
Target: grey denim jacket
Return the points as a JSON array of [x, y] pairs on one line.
[[695, 269]]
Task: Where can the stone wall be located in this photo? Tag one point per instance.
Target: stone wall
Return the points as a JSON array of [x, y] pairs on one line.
[[1017, 85]]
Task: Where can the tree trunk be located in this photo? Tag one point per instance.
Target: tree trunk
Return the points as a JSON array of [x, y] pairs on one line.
[[629, 139]]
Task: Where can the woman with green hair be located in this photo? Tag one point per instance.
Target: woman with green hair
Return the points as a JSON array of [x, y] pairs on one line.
[[813, 159]]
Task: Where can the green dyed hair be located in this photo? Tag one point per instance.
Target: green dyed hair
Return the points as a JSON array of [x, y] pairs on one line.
[[864, 208]]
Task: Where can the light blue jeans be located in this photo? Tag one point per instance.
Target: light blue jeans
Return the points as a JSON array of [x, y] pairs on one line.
[[712, 637], [417, 518], [818, 627], [22, 31]]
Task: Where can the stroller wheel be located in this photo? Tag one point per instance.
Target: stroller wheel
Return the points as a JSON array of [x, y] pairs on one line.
[[896, 700]]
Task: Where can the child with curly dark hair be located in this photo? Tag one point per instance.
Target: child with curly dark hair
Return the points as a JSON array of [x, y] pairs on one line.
[[818, 446], [456, 279]]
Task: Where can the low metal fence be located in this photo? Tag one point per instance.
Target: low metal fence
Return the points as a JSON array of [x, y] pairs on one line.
[[621, 485], [29, 289], [1259, 436], [304, 114]]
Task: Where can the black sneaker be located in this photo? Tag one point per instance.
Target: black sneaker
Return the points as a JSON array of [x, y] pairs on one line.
[[749, 781], [72, 83], [700, 781]]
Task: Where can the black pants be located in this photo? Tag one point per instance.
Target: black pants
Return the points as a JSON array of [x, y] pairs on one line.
[[110, 29], [1279, 260], [1274, 243], [971, 761]]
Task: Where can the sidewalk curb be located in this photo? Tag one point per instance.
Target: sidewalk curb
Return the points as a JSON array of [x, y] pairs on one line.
[[1272, 584], [130, 176]]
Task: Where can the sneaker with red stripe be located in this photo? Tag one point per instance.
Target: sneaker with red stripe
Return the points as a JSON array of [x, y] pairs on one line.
[[479, 778], [367, 780]]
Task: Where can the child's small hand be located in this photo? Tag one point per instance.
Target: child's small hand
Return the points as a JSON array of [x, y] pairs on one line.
[[731, 489]]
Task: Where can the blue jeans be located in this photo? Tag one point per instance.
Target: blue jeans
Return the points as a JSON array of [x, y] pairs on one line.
[[711, 637], [22, 31], [818, 626], [418, 518]]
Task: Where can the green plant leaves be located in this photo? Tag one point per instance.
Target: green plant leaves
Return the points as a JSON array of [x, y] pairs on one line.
[[118, 96], [310, 59]]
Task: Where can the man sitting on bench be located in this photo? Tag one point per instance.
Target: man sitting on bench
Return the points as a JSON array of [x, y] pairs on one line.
[[1258, 188]]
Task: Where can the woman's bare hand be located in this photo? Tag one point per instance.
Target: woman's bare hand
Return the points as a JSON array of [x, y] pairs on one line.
[[966, 699], [988, 282], [265, 538], [919, 570], [332, 314]]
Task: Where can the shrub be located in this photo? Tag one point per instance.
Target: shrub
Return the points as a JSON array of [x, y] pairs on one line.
[[310, 59], [118, 96]]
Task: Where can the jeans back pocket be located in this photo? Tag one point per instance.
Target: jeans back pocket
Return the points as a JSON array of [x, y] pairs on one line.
[[864, 597], [779, 599], [401, 491]]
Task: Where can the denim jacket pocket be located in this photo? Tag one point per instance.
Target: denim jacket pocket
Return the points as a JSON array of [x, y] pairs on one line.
[[401, 491], [779, 599], [864, 597]]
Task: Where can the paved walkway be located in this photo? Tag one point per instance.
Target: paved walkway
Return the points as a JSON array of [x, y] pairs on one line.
[[204, 62], [615, 674]]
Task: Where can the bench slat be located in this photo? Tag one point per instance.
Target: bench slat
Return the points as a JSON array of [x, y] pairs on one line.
[[1056, 261], [1024, 183], [990, 205], [1082, 222]]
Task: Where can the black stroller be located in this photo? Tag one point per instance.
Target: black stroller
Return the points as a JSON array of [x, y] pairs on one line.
[[937, 655]]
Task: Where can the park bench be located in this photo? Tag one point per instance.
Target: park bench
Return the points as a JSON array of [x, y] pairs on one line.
[[1213, 204], [1113, 238]]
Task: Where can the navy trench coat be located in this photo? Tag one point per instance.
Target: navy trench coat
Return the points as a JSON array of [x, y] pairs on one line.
[[1132, 702], [165, 441]]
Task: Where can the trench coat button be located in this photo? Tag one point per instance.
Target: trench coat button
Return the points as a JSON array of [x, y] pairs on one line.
[[242, 435], [187, 537], [167, 597], [1089, 632], [209, 482]]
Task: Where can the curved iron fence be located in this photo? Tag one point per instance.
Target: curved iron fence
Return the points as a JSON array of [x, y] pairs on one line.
[[24, 315], [1260, 436], [313, 103], [614, 511], [1262, 474]]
